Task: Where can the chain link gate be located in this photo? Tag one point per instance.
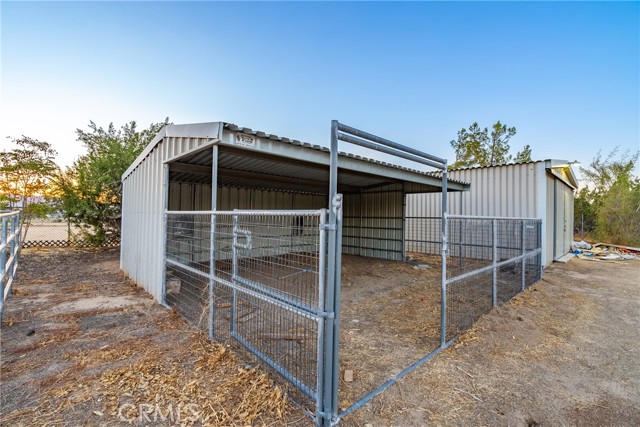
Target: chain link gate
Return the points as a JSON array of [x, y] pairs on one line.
[[260, 279]]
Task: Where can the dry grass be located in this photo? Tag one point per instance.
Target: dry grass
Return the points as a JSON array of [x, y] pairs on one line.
[[93, 367]]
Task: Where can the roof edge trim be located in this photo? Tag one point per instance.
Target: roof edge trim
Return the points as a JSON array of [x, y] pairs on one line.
[[193, 130]]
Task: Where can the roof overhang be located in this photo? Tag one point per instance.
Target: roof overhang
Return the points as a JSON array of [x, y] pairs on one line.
[[254, 159], [562, 170]]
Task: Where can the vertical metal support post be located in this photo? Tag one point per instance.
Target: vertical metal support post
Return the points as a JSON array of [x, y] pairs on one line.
[[3, 260], [322, 281], [494, 279], [165, 225], [212, 239], [328, 410], [234, 277], [522, 265], [460, 236], [540, 269], [404, 225], [333, 168], [555, 217], [360, 229], [443, 279], [336, 304]]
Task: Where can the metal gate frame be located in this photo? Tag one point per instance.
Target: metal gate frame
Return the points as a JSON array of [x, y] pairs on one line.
[[329, 222], [341, 132], [247, 286]]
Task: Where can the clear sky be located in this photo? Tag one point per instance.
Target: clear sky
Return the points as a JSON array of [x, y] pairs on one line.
[[566, 75]]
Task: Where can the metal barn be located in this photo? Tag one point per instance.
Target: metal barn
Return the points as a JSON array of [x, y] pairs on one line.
[[304, 259], [257, 171], [540, 189]]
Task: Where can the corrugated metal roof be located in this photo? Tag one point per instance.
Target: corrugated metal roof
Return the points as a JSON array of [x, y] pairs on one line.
[[498, 165], [208, 130], [241, 169], [260, 134]]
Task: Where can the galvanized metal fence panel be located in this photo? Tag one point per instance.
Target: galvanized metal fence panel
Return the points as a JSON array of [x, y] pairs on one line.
[[257, 279], [490, 260]]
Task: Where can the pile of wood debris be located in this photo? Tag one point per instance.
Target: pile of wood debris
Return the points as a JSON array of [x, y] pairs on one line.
[[604, 252]]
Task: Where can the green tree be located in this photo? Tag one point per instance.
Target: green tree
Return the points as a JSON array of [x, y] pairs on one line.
[[477, 147], [90, 190], [610, 203], [25, 178]]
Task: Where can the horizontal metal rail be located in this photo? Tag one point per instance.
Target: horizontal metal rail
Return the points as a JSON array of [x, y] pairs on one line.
[[308, 314], [250, 213], [510, 218], [424, 217], [374, 138], [276, 366], [277, 295], [465, 245], [393, 380], [490, 267], [372, 146], [8, 214]]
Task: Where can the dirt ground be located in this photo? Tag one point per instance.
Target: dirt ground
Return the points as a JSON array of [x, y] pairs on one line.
[[390, 313], [79, 341], [82, 345], [564, 353]]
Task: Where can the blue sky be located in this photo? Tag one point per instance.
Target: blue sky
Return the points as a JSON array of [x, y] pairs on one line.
[[566, 75]]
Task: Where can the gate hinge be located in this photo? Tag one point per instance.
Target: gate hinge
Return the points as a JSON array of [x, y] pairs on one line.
[[327, 227], [328, 315]]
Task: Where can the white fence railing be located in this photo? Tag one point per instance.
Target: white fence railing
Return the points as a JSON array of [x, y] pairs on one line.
[[9, 252]]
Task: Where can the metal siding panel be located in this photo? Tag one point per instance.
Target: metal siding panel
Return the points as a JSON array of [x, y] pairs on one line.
[[142, 234], [512, 190]]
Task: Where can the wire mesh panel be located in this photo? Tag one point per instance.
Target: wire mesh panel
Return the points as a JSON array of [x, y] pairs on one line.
[[489, 261], [279, 256], [423, 235], [467, 300], [470, 245], [187, 268], [255, 279]]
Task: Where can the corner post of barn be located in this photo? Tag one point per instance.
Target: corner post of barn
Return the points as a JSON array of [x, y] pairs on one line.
[[165, 229]]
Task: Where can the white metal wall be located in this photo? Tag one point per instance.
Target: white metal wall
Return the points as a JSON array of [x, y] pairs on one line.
[[142, 234], [509, 191], [525, 190]]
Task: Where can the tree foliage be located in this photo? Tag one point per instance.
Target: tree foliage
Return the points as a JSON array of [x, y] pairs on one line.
[[25, 177], [477, 146], [610, 204], [91, 190]]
